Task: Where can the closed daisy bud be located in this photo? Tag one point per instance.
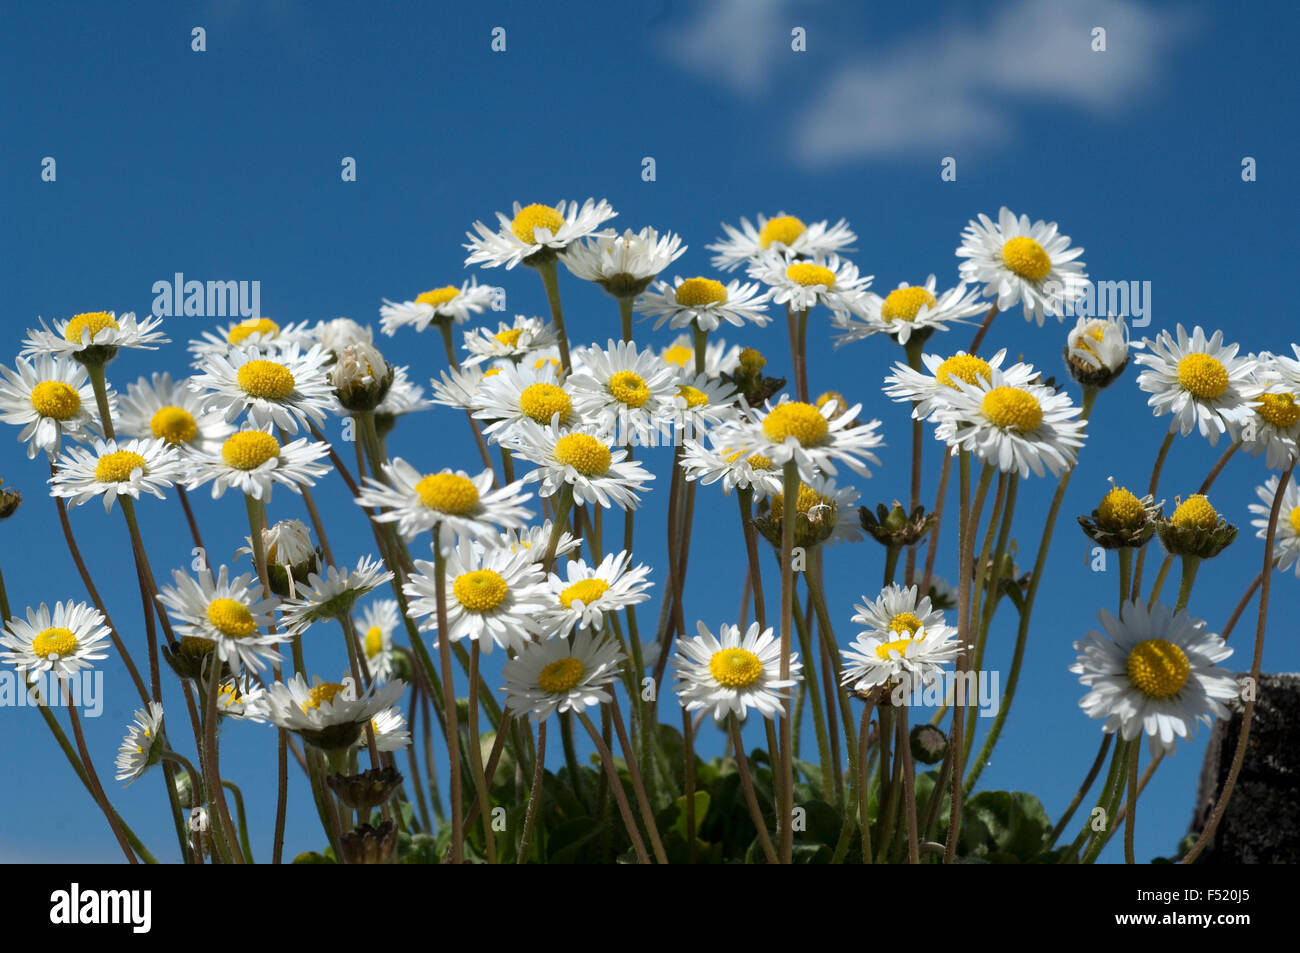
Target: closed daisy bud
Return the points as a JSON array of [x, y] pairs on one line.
[[9, 502], [361, 377], [1096, 351], [1195, 529]]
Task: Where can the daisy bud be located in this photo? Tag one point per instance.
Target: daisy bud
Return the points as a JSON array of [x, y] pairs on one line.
[[1196, 529], [9, 502], [1121, 519], [894, 526], [361, 377], [928, 743], [1096, 351], [370, 845], [288, 550], [338, 334]]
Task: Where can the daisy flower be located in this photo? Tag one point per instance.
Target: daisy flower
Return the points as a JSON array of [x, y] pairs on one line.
[[1286, 539], [115, 469], [534, 230], [1196, 379], [522, 392], [830, 281], [171, 411], [258, 334], [376, 624], [284, 387], [555, 675], [252, 461], [459, 503], [61, 642], [50, 398], [142, 747], [390, 730], [459, 387], [785, 235], [331, 596], [1012, 426], [1154, 671], [492, 595], [338, 333], [703, 402], [732, 673], [581, 458], [812, 437], [535, 539], [930, 390], [830, 512], [622, 389], [509, 342], [1273, 427], [328, 715], [721, 461], [585, 593], [719, 359], [286, 543], [98, 329], [704, 303], [403, 397], [446, 304], [624, 265], [1020, 262], [906, 642], [224, 615], [241, 697], [908, 310]]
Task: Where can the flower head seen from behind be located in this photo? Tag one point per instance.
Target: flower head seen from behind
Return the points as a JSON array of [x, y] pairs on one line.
[[142, 747], [328, 715], [624, 265], [732, 673], [559, 676]]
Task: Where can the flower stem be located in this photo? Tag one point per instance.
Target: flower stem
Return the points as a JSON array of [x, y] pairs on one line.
[[1190, 565], [551, 281], [534, 794], [747, 784], [1134, 752], [785, 810], [449, 698], [1151, 489], [616, 784]]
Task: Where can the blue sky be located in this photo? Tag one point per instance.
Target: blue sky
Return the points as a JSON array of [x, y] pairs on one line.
[[225, 165]]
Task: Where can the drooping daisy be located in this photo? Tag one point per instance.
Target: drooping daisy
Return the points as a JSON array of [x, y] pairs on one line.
[[284, 387], [1197, 379], [732, 673], [1273, 427], [830, 281], [582, 458], [258, 334], [61, 642], [171, 411], [460, 504], [286, 543], [585, 593], [622, 389], [704, 303], [1020, 427], [1020, 262], [509, 342], [103, 330], [720, 460], [906, 311], [930, 391], [624, 265], [785, 235], [556, 676], [813, 438], [1286, 538], [1154, 671], [224, 615], [492, 595], [114, 469], [905, 643], [522, 392], [719, 359], [534, 230], [252, 461], [448, 303], [142, 747], [328, 715], [331, 596], [376, 625], [50, 398]]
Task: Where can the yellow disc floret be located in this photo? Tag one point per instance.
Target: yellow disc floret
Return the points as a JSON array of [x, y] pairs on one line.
[[752, 360], [735, 668], [1295, 520], [585, 591], [1280, 410], [809, 275], [438, 296], [629, 387], [1202, 376], [374, 641], [249, 449], [56, 643], [679, 354], [964, 367], [509, 337], [899, 646], [533, 217], [56, 400], [1010, 408], [118, 466], [95, 321], [1157, 668], [481, 590], [802, 421], [447, 493], [231, 618], [697, 292], [541, 402], [904, 304], [174, 424], [784, 229], [242, 331], [1195, 512], [1120, 509], [561, 675], [905, 622], [1026, 258], [265, 379], [693, 396], [584, 453], [321, 694]]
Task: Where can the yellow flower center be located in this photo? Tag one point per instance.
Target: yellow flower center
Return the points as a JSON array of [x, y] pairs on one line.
[[804, 502], [493, 371], [904, 304], [756, 461], [898, 645], [541, 402], [752, 359], [56, 400], [57, 642], [1281, 410], [447, 493], [561, 675], [629, 388], [438, 296], [542, 362], [905, 622], [585, 591], [480, 591], [320, 694], [249, 449], [802, 421], [1157, 668], [1120, 509], [533, 217], [965, 367], [231, 618], [96, 321], [735, 668], [1011, 408], [833, 395], [509, 337], [808, 275], [244, 330], [1195, 512], [1092, 331], [784, 229], [693, 396], [196, 645], [584, 453], [117, 467], [1295, 520], [265, 379], [174, 424], [696, 292], [374, 641], [1026, 258], [679, 354], [1202, 376]]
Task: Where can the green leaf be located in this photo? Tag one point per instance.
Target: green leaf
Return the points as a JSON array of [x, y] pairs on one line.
[[1010, 823], [312, 857]]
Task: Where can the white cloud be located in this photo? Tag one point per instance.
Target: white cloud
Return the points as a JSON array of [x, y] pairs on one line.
[[731, 42]]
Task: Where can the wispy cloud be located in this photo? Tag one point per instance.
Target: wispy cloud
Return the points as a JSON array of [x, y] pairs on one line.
[[731, 42]]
